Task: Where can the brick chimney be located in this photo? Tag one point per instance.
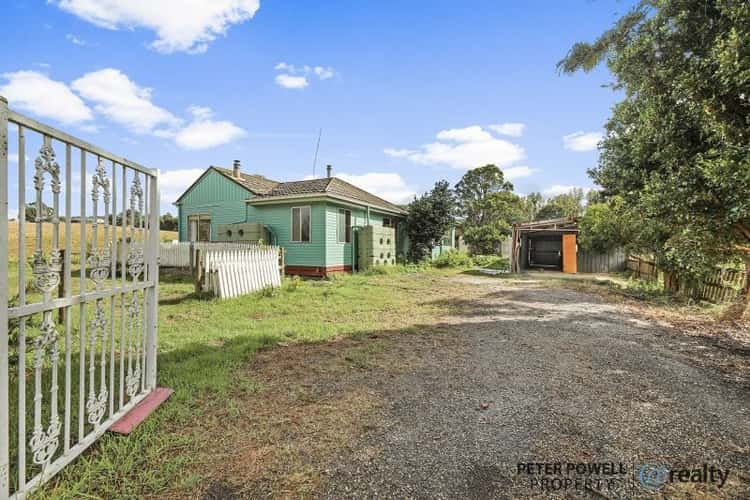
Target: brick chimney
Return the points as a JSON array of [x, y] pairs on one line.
[[329, 169], [236, 169]]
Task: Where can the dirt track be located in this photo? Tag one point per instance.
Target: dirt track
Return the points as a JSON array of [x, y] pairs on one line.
[[515, 372], [547, 374]]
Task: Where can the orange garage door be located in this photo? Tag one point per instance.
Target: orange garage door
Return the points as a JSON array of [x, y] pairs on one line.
[[569, 251]]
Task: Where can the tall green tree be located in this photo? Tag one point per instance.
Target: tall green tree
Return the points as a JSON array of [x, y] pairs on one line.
[[168, 222], [428, 219], [476, 185], [605, 226], [568, 204], [532, 203], [677, 147], [488, 206], [499, 212]]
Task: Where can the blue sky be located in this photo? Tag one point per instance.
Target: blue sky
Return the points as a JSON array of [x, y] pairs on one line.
[[406, 93]]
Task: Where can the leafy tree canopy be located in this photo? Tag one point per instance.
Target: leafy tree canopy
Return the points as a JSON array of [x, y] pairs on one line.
[[429, 217], [488, 206], [677, 148]]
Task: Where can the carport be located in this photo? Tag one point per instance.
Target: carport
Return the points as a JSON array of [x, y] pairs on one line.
[[548, 244]]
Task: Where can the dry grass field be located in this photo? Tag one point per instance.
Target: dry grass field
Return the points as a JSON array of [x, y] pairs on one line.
[[47, 230], [29, 237]]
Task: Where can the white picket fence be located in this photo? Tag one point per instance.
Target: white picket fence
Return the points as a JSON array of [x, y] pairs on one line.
[[231, 273], [183, 253]]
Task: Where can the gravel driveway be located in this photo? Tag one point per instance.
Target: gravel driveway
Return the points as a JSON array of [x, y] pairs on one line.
[[549, 375]]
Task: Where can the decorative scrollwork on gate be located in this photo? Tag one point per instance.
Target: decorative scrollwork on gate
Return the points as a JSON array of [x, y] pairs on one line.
[[136, 262], [46, 276], [133, 377], [46, 270], [44, 442], [46, 163], [100, 260], [96, 405]]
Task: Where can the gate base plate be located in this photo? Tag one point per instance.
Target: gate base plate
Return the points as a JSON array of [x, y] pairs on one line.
[[139, 412]]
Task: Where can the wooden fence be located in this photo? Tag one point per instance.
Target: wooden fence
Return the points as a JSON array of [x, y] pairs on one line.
[[725, 284], [594, 262], [642, 267], [231, 273], [183, 253]]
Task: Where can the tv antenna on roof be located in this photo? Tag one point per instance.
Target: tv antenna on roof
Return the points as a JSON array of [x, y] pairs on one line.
[[317, 147]]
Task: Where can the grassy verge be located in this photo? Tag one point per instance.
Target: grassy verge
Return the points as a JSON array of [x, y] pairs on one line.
[[205, 347]]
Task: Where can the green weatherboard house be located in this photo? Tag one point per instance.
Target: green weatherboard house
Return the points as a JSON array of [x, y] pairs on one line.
[[318, 222]]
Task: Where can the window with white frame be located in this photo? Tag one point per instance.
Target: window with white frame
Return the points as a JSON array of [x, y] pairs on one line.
[[301, 224], [344, 226], [387, 222], [199, 228]]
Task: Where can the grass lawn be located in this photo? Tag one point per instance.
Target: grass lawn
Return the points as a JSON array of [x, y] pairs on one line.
[[205, 349]]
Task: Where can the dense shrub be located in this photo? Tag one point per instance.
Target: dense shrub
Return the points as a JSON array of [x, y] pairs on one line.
[[453, 258], [492, 262], [459, 259]]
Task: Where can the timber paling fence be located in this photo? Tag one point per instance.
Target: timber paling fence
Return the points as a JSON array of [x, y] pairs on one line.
[[231, 273], [73, 360], [725, 284], [183, 253]]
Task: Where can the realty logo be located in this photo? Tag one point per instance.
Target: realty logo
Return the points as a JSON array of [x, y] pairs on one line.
[[652, 477]]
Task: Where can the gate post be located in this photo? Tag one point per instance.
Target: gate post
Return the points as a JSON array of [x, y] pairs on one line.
[[153, 294], [4, 381]]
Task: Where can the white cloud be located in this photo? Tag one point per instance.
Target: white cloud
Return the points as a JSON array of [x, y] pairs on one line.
[[291, 82], [468, 134], [13, 158], [582, 141], [75, 40], [204, 133], [559, 189], [511, 173], [389, 186], [114, 95], [465, 149], [123, 101], [399, 153], [180, 25], [510, 129], [36, 93], [324, 73], [296, 77], [172, 183]]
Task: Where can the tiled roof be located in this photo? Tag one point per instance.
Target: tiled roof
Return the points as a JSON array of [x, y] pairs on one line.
[[329, 186], [267, 189], [255, 183]]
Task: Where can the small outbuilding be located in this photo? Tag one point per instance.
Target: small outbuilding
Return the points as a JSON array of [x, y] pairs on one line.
[[547, 244]]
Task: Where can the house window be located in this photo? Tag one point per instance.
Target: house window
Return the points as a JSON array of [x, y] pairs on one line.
[[344, 226], [387, 222], [301, 224], [199, 228]]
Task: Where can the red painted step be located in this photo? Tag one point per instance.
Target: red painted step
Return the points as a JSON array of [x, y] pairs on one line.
[[139, 412]]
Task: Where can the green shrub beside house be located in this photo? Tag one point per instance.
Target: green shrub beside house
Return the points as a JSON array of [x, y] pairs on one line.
[[315, 221]]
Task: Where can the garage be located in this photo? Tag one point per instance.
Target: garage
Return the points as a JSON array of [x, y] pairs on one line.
[[550, 244]]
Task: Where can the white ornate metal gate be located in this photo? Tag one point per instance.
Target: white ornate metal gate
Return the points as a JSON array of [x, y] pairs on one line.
[[78, 324]]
